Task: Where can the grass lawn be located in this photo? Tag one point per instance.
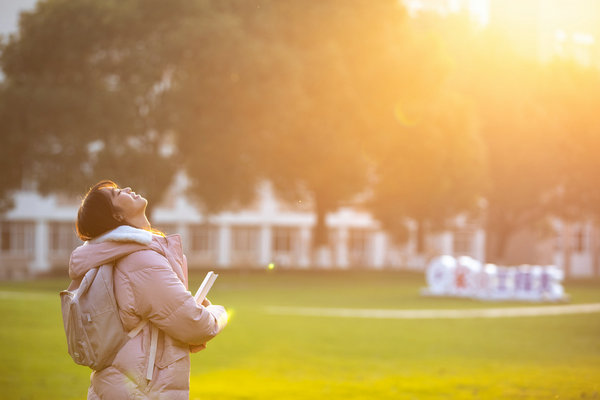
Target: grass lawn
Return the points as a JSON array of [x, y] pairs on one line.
[[267, 356]]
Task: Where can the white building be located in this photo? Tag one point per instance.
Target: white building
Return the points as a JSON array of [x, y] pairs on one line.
[[38, 235]]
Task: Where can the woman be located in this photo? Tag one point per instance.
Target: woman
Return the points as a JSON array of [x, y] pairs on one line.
[[150, 283]]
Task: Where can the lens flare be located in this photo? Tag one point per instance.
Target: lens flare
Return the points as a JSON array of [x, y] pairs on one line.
[[230, 313]]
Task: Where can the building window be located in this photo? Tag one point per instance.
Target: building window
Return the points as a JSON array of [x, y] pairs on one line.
[[203, 238], [283, 240], [17, 237], [358, 246], [558, 241], [285, 245], [63, 238], [6, 237], [463, 242], [245, 239], [579, 239], [333, 238], [359, 240]]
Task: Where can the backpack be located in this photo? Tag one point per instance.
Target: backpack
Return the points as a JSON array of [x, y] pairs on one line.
[[91, 319]]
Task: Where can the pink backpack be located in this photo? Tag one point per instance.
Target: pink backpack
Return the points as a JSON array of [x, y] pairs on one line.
[[91, 319]]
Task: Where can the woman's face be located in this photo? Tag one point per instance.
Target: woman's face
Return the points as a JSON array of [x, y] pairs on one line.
[[126, 202]]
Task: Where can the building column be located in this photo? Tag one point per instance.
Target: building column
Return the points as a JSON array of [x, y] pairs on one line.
[[341, 247], [378, 249], [479, 245], [446, 241], [266, 240], [41, 246], [224, 256]]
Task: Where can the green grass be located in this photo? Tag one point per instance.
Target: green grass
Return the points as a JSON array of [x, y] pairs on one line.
[[265, 356]]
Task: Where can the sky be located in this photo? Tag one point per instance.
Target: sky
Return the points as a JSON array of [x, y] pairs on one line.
[[9, 13], [478, 9]]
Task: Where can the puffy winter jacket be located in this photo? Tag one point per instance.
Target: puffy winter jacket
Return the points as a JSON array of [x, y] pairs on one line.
[[150, 283]]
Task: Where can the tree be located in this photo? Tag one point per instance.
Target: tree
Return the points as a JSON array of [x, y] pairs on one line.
[[518, 130], [513, 159], [342, 68], [517, 127], [430, 170], [84, 84], [572, 93], [430, 162], [221, 92], [230, 91], [13, 150]]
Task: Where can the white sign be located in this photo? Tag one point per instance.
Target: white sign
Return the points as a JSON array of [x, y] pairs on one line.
[[467, 277]]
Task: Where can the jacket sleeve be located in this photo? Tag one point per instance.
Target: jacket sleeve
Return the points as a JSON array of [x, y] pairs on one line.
[[159, 296]]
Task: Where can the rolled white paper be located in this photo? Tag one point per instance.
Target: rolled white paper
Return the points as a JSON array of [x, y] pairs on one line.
[[207, 283]]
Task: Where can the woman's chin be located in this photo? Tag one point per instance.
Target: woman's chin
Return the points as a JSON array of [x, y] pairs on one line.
[[143, 204]]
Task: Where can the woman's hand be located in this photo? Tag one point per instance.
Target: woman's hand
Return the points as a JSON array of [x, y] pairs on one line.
[[194, 348]]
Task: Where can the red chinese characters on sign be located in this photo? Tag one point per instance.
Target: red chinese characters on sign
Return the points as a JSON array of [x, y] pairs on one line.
[[467, 277]]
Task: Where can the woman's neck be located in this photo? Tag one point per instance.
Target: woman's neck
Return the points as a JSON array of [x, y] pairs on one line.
[[140, 221]]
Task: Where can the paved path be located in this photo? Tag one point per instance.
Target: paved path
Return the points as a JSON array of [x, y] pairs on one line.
[[536, 311], [497, 312]]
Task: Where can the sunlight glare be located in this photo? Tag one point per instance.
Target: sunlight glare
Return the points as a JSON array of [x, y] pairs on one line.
[[402, 117]]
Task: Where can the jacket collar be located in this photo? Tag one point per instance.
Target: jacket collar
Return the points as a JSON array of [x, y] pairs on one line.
[[125, 233], [111, 246]]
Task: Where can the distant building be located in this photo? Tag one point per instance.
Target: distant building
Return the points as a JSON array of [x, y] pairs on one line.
[[38, 235]]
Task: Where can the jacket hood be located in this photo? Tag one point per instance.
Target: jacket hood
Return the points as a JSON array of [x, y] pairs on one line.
[[109, 247]]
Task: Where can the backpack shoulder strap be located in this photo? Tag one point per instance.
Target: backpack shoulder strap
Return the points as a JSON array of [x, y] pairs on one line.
[[134, 332], [153, 333]]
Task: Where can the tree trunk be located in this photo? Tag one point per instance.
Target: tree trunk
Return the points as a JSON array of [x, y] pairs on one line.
[[496, 243], [320, 242], [320, 228], [501, 244]]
